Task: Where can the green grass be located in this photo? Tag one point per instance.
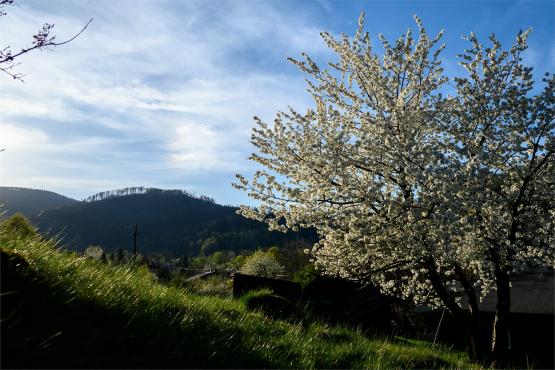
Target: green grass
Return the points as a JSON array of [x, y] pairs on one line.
[[78, 312]]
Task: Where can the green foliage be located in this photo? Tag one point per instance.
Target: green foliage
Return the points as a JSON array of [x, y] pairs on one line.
[[262, 263], [121, 310], [18, 226], [198, 262], [218, 286], [292, 256], [245, 298], [180, 281], [184, 261], [237, 262], [208, 246], [305, 275], [118, 257], [217, 258], [273, 251]]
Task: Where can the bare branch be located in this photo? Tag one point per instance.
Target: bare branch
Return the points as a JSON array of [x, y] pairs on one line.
[[42, 41]]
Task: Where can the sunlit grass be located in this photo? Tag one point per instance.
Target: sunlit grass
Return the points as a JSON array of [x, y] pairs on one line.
[[205, 331]]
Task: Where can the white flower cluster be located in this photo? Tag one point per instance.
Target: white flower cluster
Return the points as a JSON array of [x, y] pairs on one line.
[[428, 196]]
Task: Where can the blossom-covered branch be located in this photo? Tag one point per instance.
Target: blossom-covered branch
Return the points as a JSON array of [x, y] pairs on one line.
[[436, 199]]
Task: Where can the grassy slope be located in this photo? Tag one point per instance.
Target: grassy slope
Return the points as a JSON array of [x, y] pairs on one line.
[[62, 310]]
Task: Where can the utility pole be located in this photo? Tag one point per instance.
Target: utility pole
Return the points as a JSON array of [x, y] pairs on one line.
[[135, 233]]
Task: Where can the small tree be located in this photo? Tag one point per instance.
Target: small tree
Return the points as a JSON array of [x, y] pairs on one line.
[[217, 258], [263, 264], [208, 246], [95, 252], [237, 262], [433, 198]]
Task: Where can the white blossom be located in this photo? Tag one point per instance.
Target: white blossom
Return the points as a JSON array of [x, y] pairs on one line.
[[405, 185]]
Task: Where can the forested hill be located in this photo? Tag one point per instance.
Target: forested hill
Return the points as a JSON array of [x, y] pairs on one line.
[[169, 221], [30, 202]]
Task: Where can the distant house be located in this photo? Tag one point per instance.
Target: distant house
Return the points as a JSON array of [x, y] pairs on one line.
[[531, 293], [531, 324]]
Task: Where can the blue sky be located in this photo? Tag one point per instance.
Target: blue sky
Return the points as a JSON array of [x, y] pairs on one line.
[[162, 93]]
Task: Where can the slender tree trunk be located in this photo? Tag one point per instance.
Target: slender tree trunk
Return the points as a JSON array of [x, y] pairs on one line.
[[468, 320], [500, 342], [477, 342]]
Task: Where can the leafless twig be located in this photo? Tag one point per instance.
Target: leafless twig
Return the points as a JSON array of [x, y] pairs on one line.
[[42, 40]]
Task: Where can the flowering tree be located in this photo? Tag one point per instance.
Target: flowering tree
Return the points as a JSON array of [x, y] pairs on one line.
[[502, 139], [263, 264], [435, 199]]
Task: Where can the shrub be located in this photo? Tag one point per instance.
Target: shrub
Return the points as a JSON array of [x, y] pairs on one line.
[[211, 286], [18, 226], [263, 264]]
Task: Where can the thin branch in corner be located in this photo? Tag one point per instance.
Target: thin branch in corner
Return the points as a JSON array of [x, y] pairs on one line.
[[41, 41]]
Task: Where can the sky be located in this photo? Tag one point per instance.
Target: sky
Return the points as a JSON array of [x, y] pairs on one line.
[[162, 93]]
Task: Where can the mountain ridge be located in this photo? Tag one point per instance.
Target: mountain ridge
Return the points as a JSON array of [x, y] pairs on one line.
[[171, 222], [30, 202]]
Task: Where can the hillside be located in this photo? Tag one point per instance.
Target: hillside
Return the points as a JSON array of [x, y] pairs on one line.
[[30, 202], [64, 311], [169, 221]]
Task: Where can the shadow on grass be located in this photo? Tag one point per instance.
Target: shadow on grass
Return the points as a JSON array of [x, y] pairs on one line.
[[43, 327]]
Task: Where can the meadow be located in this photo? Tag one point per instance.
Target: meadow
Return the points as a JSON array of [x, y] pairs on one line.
[[60, 309]]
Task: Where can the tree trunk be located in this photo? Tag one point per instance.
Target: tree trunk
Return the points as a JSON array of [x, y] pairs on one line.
[[500, 342], [473, 351], [468, 320], [477, 342]]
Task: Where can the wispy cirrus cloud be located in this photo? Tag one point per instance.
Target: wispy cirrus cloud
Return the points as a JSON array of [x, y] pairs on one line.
[[162, 93], [180, 80]]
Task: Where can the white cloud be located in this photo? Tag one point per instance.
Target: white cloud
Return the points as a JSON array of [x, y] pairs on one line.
[[184, 79], [54, 109], [159, 93], [196, 147], [15, 138]]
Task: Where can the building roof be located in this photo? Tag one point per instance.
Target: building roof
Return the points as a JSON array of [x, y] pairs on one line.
[[530, 293]]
